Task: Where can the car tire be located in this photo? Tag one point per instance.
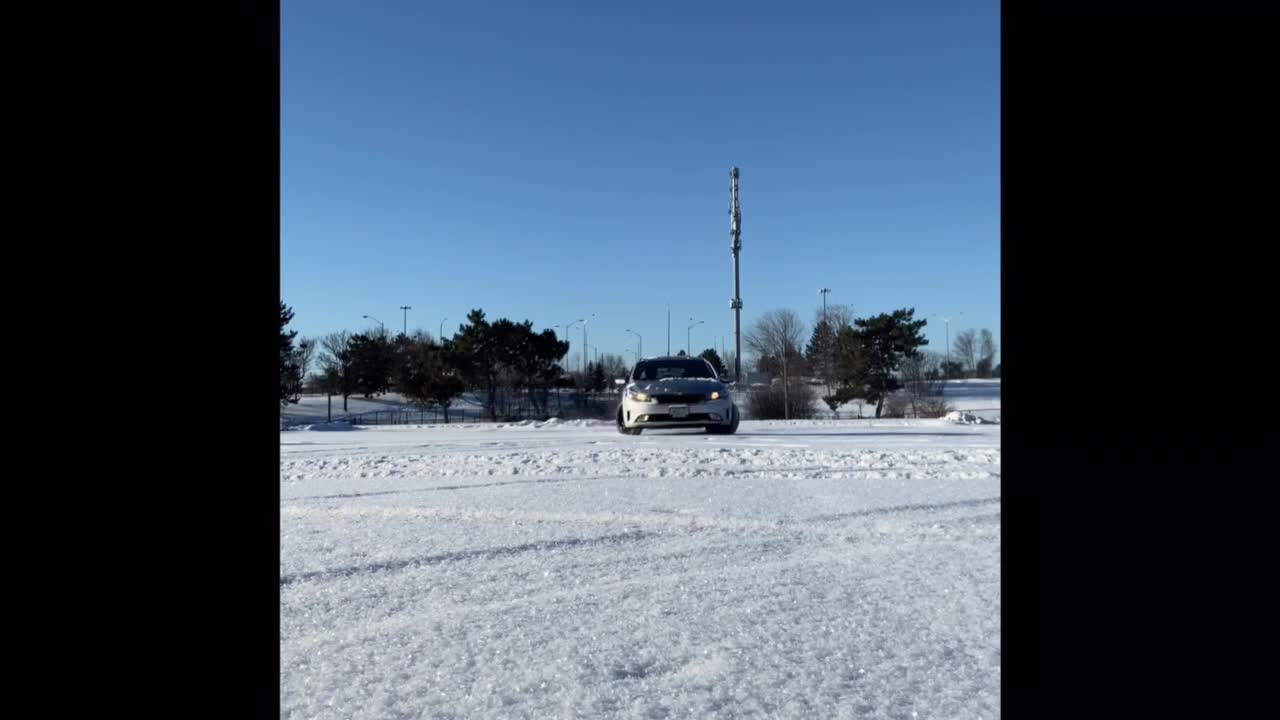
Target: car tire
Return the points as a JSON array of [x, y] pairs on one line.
[[729, 429], [624, 429]]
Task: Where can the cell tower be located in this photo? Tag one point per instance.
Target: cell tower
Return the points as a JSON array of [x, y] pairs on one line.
[[735, 231]]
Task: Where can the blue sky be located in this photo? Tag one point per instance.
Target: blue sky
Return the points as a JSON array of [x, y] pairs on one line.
[[551, 160]]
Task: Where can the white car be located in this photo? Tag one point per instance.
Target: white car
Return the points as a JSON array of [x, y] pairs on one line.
[[676, 392]]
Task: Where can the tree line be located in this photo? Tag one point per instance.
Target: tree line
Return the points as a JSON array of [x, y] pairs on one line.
[[507, 360], [876, 359]]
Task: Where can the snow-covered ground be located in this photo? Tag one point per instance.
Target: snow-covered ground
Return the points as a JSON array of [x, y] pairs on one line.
[[978, 397], [803, 569]]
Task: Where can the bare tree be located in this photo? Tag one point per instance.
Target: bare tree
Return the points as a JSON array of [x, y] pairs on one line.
[[965, 349], [840, 316], [986, 352], [338, 365], [728, 359], [306, 355], [923, 385], [777, 338], [615, 366]]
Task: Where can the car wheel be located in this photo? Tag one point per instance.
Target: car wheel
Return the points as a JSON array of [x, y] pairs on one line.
[[729, 429], [624, 429]]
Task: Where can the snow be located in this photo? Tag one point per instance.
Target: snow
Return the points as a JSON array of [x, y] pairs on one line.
[[964, 418], [979, 397], [797, 569], [973, 395]]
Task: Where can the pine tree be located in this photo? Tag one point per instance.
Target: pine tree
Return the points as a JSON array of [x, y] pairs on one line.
[[290, 370], [372, 362], [821, 352], [477, 357], [711, 356], [884, 341]]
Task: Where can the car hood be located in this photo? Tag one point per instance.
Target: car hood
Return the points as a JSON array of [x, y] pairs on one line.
[[679, 385]]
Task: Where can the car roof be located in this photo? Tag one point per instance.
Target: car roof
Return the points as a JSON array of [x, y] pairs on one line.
[[672, 357]]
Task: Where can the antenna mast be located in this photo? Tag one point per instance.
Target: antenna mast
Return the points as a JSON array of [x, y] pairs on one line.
[[735, 231]]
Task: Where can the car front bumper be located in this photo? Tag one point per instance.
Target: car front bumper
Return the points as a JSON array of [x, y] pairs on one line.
[[658, 415]]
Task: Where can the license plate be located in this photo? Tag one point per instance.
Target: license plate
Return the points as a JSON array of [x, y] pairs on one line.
[[679, 411]]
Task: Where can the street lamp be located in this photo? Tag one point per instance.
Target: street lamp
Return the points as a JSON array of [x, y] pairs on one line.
[[584, 340], [406, 310], [689, 334], [442, 329], [640, 347], [584, 344], [370, 317], [947, 350]]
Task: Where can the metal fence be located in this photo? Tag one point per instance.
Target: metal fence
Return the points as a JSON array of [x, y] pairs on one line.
[[565, 406]]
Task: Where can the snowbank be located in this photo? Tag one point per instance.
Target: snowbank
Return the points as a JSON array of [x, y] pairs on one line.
[[964, 418], [335, 426]]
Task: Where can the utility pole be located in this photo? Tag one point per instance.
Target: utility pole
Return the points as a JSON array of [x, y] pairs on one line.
[[668, 329], [826, 370], [735, 231], [406, 310]]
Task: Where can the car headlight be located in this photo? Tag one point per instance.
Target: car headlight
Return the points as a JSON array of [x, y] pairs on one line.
[[639, 396], [714, 396]]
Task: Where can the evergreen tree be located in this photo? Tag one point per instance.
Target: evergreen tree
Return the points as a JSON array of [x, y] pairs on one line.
[[711, 356], [428, 375], [476, 355], [884, 341], [821, 352], [290, 369], [372, 361]]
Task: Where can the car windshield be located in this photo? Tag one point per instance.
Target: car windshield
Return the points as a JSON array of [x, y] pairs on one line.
[[659, 369]]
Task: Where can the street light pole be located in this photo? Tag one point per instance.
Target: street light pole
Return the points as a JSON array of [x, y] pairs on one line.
[[406, 310], [668, 329], [584, 345], [640, 346], [441, 338], [688, 344], [569, 352], [946, 371], [370, 317]]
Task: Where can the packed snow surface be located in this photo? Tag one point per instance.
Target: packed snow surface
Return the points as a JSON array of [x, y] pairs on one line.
[[801, 569]]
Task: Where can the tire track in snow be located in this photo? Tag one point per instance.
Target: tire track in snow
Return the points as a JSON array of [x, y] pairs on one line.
[[392, 565], [903, 509]]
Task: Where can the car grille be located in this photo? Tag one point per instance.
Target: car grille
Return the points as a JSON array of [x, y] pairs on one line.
[[680, 398], [691, 417]]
